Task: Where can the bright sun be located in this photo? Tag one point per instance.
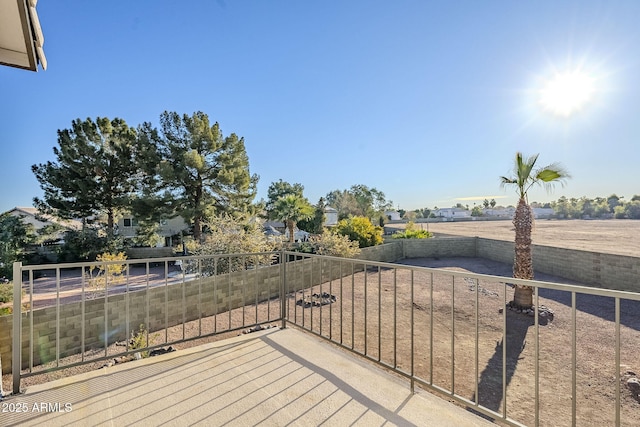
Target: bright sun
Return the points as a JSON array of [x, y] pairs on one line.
[[566, 93]]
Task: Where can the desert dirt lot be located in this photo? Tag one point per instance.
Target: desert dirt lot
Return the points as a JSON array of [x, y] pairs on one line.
[[454, 315], [615, 236]]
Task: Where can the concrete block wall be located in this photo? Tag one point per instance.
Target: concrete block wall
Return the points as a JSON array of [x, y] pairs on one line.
[[387, 252], [495, 250], [607, 271], [142, 253], [439, 248], [166, 306]]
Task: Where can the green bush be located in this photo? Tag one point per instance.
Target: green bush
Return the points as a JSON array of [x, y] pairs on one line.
[[411, 232], [138, 340], [6, 292], [361, 230], [227, 235], [333, 244], [6, 296]]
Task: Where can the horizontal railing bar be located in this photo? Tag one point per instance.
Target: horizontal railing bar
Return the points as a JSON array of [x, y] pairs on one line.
[[470, 404], [135, 261], [501, 279]]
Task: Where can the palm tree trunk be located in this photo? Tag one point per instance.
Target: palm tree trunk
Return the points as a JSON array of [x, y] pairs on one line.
[[523, 264], [291, 226]]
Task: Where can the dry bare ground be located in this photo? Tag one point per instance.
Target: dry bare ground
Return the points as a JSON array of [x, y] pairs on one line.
[[613, 236], [454, 316]]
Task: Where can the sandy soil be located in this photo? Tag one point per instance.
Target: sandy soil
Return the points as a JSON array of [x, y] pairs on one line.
[[366, 331], [607, 236]]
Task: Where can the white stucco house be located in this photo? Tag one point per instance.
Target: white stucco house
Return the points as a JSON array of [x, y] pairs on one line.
[[543, 213], [330, 217], [452, 213], [38, 221], [392, 215], [128, 226]]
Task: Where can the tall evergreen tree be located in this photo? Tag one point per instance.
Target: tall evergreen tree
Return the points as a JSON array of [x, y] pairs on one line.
[[94, 171], [203, 172]]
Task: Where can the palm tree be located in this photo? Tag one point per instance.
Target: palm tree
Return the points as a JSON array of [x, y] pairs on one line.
[[525, 176], [290, 209]]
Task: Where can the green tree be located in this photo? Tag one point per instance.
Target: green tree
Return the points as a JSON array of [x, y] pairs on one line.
[[587, 208], [204, 173], [280, 189], [15, 238], [87, 244], [371, 201], [561, 207], [409, 215], [613, 201], [94, 173], [600, 207], [361, 230], [476, 211], [153, 201], [314, 224], [359, 200], [619, 212], [344, 202], [632, 209], [523, 178], [290, 209]]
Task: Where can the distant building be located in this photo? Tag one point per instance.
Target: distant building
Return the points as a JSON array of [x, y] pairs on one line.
[[452, 213], [330, 217], [169, 228], [500, 212], [392, 215], [39, 221], [543, 213]]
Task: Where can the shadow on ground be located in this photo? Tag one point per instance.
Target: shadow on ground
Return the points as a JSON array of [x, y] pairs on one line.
[[603, 307], [490, 384]]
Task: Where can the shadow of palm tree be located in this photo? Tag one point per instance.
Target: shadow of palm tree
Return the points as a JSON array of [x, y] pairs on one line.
[[491, 379]]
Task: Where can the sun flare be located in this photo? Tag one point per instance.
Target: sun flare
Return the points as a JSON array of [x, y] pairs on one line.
[[566, 93]]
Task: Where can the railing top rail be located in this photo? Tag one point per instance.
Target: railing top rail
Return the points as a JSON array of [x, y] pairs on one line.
[[130, 261], [502, 279]]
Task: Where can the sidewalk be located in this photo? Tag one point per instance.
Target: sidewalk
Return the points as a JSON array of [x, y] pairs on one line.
[[271, 378]]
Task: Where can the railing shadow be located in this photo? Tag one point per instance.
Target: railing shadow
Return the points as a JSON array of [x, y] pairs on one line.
[[602, 307], [492, 376]]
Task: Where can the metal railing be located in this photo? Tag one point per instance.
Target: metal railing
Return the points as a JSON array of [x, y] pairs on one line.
[[446, 331], [66, 315], [454, 332]]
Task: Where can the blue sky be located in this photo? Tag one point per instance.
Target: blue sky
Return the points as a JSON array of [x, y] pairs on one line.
[[428, 101]]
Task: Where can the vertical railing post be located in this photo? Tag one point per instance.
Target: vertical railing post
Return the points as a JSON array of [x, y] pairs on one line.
[[283, 297], [413, 372], [16, 361]]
